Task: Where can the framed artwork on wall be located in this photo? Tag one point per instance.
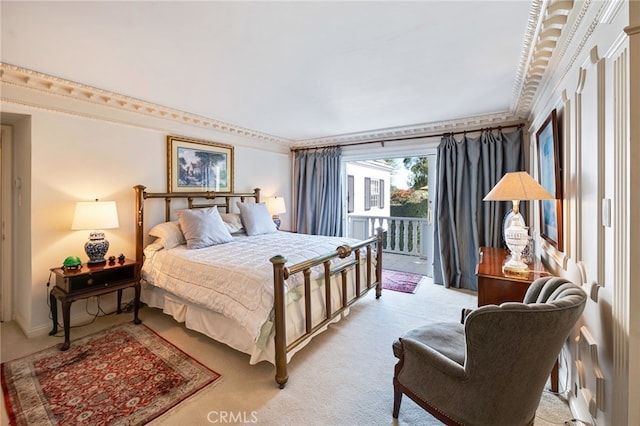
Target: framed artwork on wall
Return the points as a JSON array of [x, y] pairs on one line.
[[551, 180], [195, 165]]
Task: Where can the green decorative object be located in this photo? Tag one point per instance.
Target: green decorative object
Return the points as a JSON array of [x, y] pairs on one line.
[[72, 262]]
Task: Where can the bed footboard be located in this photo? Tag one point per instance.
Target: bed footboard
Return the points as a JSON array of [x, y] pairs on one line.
[[281, 273], [373, 266]]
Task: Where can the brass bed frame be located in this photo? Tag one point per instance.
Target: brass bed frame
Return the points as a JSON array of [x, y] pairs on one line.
[[282, 272]]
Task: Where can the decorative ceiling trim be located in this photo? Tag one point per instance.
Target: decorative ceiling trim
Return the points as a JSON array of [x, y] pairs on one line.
[[416, 131], [34, 80], [18, 76], [605, 11], [550, 25], [527, 50]]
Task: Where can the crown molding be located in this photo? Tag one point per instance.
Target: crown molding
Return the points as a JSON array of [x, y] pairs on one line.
[[44, 83], [530, 36], [572, 33], [416, 131], [575, 40], [551, 22]]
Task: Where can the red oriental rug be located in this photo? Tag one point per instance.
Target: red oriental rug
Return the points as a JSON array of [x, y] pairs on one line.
[[400, 281], [124, 375]]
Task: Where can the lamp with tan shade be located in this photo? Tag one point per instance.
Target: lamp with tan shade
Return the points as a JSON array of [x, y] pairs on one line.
[[515, 187]]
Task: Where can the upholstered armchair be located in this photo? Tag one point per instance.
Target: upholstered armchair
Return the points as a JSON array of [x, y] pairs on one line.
[[492, 369]]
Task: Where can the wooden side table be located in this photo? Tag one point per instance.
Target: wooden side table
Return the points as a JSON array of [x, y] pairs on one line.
[[89, 281], [496, 286]]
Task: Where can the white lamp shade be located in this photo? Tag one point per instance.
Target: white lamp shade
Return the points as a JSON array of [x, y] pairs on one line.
[[276, 206], [517, 186], [95, 215], [514, 187]]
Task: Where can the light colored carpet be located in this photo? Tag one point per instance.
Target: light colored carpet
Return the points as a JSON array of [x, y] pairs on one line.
[[344, 377]]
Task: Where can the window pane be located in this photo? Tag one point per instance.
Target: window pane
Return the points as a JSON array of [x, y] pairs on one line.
[[367, 193]]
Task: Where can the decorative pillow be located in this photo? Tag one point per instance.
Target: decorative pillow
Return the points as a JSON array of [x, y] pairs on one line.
[[169, 233], [203, 227], [233, 222], [256, 218]]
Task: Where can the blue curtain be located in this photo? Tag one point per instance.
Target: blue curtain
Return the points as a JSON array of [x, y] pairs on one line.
[[318, 191], [467, 170]]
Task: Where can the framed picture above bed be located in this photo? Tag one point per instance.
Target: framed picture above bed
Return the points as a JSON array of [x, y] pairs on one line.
[[196, 165], [551, 180]]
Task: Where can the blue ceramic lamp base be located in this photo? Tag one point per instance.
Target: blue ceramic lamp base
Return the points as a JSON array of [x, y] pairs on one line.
[[96, 248]]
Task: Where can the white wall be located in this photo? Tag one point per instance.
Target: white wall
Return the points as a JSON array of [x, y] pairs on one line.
[[63, 158], [589, 90]]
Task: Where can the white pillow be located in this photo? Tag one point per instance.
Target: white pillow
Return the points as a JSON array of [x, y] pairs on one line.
[[203, 227], [233, 222], [256, 218], [169, 234]]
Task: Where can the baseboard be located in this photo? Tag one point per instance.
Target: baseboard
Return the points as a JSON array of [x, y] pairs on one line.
[[579, 411], [107, 304]]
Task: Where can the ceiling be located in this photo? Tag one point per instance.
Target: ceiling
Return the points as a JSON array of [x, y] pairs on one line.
[[300, 71]]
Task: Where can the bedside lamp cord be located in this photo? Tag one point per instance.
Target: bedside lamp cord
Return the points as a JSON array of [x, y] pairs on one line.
[[94, 315]]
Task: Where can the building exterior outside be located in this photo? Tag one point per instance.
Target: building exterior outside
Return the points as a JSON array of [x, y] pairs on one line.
[[368, 188]]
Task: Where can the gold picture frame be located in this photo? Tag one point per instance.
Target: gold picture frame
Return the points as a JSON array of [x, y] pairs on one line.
[[195, 165]]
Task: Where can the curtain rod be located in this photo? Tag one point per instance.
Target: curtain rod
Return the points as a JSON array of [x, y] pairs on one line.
[[434, 135]]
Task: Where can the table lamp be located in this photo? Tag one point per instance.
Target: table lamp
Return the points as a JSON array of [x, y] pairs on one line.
[[515, 187], [275, 206], [95, 215]]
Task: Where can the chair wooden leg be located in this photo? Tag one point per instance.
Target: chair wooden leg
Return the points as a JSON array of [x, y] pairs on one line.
[[397, 399]]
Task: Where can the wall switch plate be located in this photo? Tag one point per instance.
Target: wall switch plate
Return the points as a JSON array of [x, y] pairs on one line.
[[606, 212]]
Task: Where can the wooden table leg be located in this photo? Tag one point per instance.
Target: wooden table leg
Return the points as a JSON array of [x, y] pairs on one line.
[[554, 377], [66, 320], [136, 304], [119, 309], [53, 302]]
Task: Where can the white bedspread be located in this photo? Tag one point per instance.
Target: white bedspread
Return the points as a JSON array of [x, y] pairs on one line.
[[235, 279]]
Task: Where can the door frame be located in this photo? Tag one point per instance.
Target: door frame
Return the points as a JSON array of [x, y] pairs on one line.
[[428, 243], [427, 147], [6, 216]]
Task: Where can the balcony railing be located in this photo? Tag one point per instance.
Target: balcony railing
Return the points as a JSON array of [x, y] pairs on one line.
[[403, 235]]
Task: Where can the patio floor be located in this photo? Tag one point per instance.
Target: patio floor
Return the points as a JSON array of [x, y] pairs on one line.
[[405, 263]]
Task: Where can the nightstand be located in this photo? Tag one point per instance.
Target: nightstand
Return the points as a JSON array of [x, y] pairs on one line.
[[89, 281], [496, 286]]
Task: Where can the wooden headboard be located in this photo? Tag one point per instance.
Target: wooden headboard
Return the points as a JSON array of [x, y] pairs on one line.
[[222, 200]]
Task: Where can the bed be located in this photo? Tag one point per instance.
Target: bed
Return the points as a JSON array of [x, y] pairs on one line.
[[246, 284]]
